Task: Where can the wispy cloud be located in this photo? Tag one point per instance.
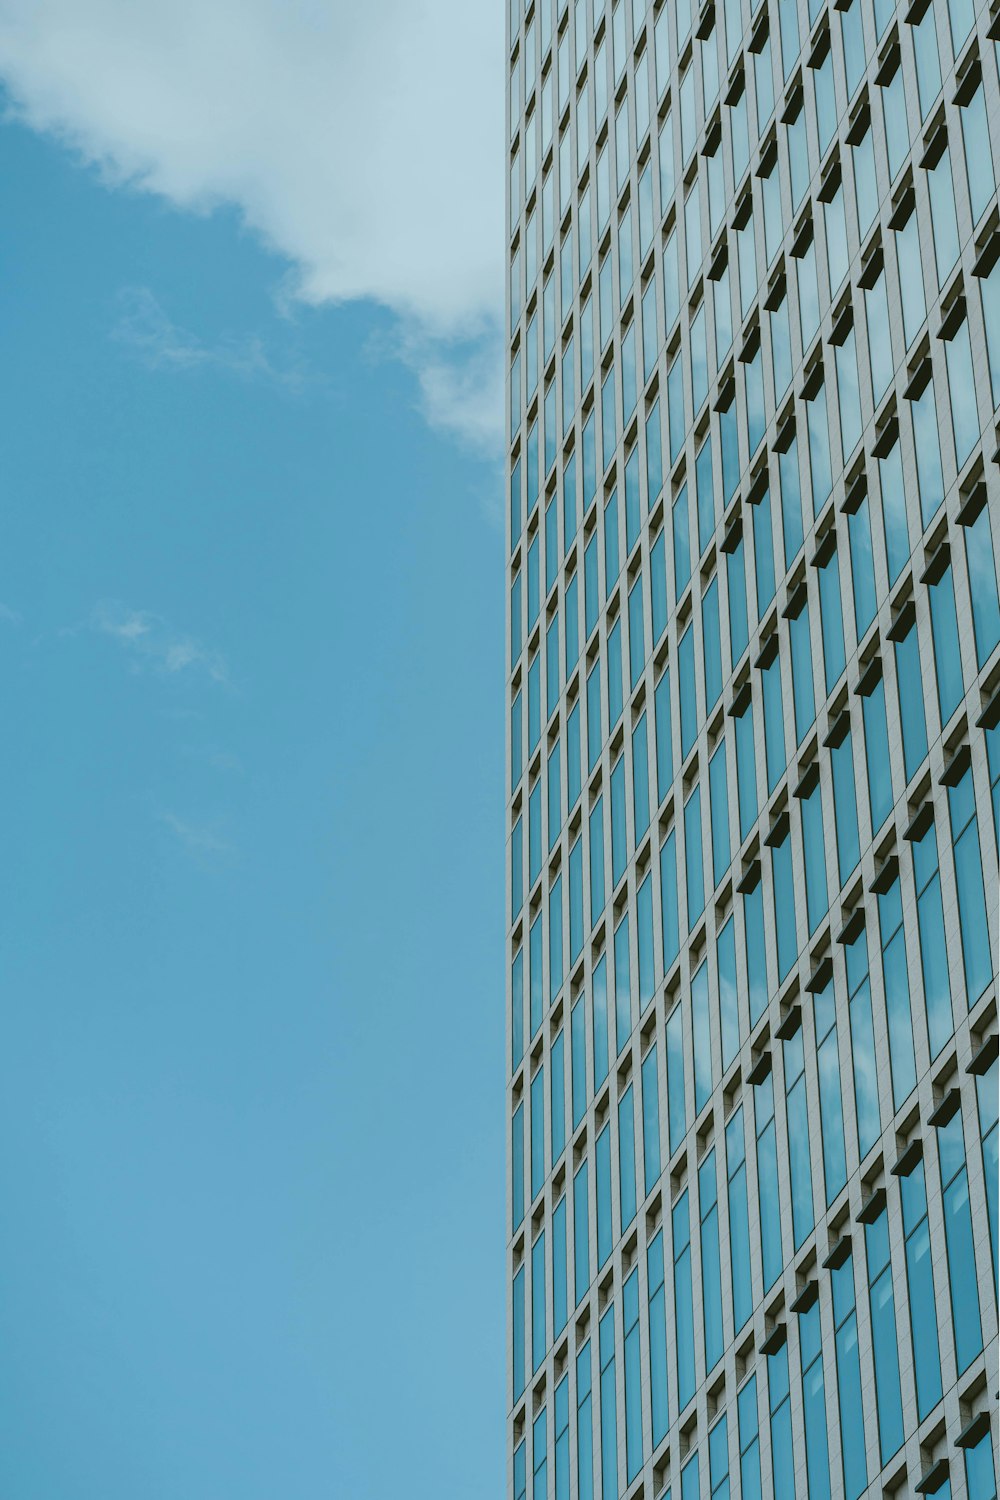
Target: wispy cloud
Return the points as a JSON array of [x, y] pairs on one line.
[[145, 329], [199, 838], [361, 142], [153, 644], [10, 616]]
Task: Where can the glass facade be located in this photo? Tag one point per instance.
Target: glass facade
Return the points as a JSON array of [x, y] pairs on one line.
[[753, 504]]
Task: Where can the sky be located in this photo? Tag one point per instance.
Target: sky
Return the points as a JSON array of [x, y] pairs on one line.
[[251, 645]]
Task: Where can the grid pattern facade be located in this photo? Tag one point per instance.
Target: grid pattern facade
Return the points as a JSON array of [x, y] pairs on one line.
[[754, 755]]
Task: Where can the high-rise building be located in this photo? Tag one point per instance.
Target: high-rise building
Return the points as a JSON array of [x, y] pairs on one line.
[[754, 773]]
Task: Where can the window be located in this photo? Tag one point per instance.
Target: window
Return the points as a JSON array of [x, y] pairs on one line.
[[719, 800], [605, 1236], [797, 1117], [897, 541], [782, 1460], [711, 644], [864, 1069], [845, 1322], [682, 547], [746, 1407], [814, 1404], [596, 828], [688, 691], [581, 1232], [862, 567], [926, 441], [517, 1008], [633, 1377], [814, 854], [880, 354], [683, 1302], [774, 717], [756, 950], [969, 880], [763, 546], [849, 396], [739, 1227], [933, 946], [803, 692], [739, 634], [517, 1318], [711, 1264], [910, 268], [718, 1460], [561, 1403], [909, 683], [609, 1411], [888, 1396], [557, 1097], [668, 900], [844, 797], [650, 1121], [877, 751], [831, 617], [966, 1324], [770, 1216], [897, 993], [783, 881], [626, 1158], [657, 1339], [983, 584], [538, 1333], [830, 1098], [517, 1167], [579, 1059], [791, 502], [986, 1086], [584, 1425], [702, 1038], [943, 219], [920, 1285], [947, 648]]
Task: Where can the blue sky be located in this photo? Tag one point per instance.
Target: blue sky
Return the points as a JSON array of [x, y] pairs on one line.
[[251, 1079]]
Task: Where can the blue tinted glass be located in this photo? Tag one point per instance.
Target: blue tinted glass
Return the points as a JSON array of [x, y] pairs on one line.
[[763, 548], [688, 691], [712, 643], [682, 546], [623, 985], [719, 799], [683, 1302], [693, 857], [626, 1159], [517, 1318], [802, 674], [605, 1235], [581, 1234], [911, 703], [784, 905], [664, 742], [832, 621], [947, 650], [737, 585], [668, 900], [877, 752], [774, 723]]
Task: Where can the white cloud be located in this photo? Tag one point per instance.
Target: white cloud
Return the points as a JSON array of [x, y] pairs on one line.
[[195, 836], [364, 143], [161, 344], [152, 643]]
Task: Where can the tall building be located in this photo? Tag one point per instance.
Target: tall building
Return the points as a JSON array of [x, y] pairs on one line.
[[754, 651]]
